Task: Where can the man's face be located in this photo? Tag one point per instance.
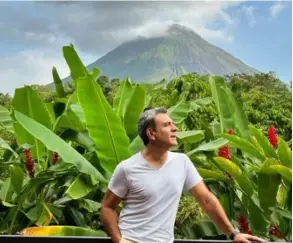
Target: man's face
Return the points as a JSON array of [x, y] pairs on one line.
[[164, 132]]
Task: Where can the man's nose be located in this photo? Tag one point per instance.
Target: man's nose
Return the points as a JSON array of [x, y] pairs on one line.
[[174, 128]]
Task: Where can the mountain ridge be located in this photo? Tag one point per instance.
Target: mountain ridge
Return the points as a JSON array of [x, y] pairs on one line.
[[174, 52]]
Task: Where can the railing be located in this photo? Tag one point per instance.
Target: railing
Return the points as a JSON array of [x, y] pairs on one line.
[[80, 239]]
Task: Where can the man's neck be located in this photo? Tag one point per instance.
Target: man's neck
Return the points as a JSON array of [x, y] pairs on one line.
[[155, 155]]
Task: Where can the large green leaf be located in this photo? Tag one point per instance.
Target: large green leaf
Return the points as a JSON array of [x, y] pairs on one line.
[[5, 119], [89, 205], [5, 145], [239, 117], [284, 152], [103, 124], [256, 218], [267, 190], [17, 177], [244, 145], [133, 108], [58, 83], [284, 171], [122, 95], [219, 97], [78, 111], [6, 190], [27, 101], [263, 142], [210, 146], [179, 112], [81, 138], [232, 168], [50, 108], [74, 63], [79, 188], [55, 143], [77, 216], [69, 119], [40, 214], [190, 136], [227, 204], [283, 212], [212, 175], [265, 167]]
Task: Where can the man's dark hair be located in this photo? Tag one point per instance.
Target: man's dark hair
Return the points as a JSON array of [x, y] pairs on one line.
[[147, 120]]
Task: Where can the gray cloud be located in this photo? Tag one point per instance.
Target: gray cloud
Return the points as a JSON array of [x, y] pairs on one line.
[[40, 29], [100, 26]]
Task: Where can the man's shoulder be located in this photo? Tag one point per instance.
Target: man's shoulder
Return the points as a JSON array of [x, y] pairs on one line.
[[180, 159], [129, 162]]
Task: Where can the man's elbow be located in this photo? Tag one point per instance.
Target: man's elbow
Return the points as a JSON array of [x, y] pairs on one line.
[[208, 202], [105, 209]]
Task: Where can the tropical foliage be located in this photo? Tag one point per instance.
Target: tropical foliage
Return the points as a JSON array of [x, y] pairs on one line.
[[64, 146]]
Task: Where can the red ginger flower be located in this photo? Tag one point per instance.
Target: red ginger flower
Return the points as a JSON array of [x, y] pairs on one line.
[[230, 131], [55, 158], [224, 150], [29, 163], [243, 225], [272, 136], [275, 231]]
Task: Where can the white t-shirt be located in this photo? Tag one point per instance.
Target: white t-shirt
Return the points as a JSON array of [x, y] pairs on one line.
[[151, 195]]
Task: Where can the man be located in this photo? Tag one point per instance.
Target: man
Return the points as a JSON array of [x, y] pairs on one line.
[[150, 184]]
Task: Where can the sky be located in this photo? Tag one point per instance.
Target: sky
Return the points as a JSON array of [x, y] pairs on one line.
[[32, 33]]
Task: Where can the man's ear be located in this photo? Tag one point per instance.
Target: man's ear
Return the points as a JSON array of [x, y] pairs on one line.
[[150, 134]]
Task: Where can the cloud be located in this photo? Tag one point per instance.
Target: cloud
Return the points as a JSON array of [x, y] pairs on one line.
[[98, 27], [35, 38], [33, 67], [276, 8], [249, 13]]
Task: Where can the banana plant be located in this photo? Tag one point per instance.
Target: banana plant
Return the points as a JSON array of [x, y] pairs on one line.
[[42, 198], [259, 170]]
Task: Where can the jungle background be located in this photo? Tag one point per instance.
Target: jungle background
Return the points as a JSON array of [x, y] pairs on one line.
[[59, 146]]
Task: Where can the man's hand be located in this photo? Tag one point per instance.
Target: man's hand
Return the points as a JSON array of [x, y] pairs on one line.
[[246, 238]]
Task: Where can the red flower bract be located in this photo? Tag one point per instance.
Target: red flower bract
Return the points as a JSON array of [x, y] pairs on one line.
[[243, 225], [29, 163], [55, 158], [272, 136], [275, 231], [224, 150], [230, 131]]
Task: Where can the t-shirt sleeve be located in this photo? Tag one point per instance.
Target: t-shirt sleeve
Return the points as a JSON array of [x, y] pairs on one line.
[[118, 182], [192, 176]]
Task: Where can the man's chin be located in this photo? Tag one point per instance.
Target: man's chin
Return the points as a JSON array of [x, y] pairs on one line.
[[174, 144]]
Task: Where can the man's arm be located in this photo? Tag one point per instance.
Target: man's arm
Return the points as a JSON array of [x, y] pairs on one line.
[[211, 205], [109, 215]]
